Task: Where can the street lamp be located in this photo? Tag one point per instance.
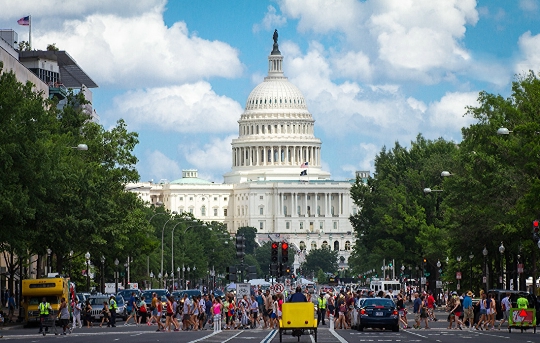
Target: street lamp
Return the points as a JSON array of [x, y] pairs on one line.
[[459, 271], [83, 147], [503, 131], [102, 272], [165, 281], [87, 256], [172, 244], [471, 256], [160, 276], [49, 262], [184, 276], [485, 253], [178, 270], [162, 232], [438, 277], [116, 263], [151, 280], [429, 190], [501, 250]]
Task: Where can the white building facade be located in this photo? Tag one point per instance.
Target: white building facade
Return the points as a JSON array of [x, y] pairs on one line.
[[276, 183]]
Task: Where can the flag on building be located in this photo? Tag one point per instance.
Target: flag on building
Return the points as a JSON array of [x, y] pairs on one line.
[[25, 21], [304, 165], [303, 173]]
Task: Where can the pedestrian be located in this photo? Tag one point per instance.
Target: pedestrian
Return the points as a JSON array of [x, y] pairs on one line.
[[401, 310], [492, 311], [321, 309], [112, 308], [186, 313], [505, 308], [105, 313], [217, 307], [76, 314], [44, 309], [274, 316], [143, 311], [131, 309], [11, 307], [195, 308], [64, 315], [267, 309], [450, 304], [417, 306], [254, 306], [159, 308], [483, 312], [431, 306], [169, 314], [468, 310], [88, 314], [424, 312], [342, 310], [457, 310], [153, 310]]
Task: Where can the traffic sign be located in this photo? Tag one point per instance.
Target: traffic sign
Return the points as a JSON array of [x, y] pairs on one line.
[[458, 275], [279, 288], [242, 289], [520, 268], [288, 282]]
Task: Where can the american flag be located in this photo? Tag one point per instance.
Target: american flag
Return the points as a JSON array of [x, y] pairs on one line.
[[304, 165], [25, 21], [303, 173]]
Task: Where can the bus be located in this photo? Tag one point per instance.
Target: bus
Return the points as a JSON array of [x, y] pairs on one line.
[[53, 289], [386, 286]]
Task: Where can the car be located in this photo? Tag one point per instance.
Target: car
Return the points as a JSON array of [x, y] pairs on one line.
[[378, 313], [219, 293], [96, 301], [162, 295], [190, 292], [126, 293], [121, 312]]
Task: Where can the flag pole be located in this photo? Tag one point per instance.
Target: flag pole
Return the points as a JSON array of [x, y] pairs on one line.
[[30, 31]]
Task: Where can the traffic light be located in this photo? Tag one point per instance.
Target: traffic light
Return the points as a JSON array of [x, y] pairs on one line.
[[274, 268], [284, 270], [536, 228], [284, 252], [274, 252], [252, 272], [425, 260], [231, 273], [240, 246]]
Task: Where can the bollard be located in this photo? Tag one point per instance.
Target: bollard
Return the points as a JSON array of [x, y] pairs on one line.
[[331, 320], [217, 323]]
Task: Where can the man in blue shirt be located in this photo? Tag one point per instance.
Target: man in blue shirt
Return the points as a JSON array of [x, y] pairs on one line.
[[131, 309], [417, 306], [468, 311], [298, 296]]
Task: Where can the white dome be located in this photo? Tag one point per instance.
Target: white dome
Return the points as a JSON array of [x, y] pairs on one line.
[[276, 93]]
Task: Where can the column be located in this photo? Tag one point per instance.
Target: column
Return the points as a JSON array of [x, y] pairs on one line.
[[339, 204], [305, 203], [281, 205], [316, 205]]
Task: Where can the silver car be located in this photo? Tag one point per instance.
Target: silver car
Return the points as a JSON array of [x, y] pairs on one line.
[[96, 301]]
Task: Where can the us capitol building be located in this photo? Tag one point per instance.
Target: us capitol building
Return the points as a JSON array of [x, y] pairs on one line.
[[276, 183]]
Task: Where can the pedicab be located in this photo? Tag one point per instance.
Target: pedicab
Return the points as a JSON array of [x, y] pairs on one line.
[[299, 318], [522, 318]]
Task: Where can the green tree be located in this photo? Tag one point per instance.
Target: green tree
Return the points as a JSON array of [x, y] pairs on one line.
[[323, 259]]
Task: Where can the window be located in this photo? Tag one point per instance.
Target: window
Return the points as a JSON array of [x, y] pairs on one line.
[[203, 199], [203, 211], [309, 211], [302, 245], [313, 245], [243, 211], [309, 197], [190, 198], [181, 198], [298, 210], [311, 226], [191, 210], [225, 212], [261, 225], [287, 225], [225, 199], [261, 211], [321, 225], [354, 211], [335, 225], [332, 211], [347, 245], [301, 225], [318, 210], [336, 246], [325, 244], [215, 212], [284, 197], [261, 197], [215, 198], [285, 210], [318, 197]]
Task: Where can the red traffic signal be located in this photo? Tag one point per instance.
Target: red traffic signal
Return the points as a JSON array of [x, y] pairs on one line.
[[284, 252], [284, 245], [536, 225], [274, 252], [274, 245]]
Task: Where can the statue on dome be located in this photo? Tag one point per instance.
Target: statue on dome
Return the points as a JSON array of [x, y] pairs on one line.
[[275, 50], [275, 37]]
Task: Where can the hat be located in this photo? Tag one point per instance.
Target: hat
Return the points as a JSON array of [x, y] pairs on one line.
[[469, 293], [454, 293]]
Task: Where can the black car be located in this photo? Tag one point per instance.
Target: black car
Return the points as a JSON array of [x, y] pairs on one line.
[[378, 313]]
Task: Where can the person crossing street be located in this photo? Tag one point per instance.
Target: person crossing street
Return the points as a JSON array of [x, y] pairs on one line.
[[321, 309]]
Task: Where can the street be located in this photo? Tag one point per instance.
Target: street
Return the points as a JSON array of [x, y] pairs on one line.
[[144, 333]]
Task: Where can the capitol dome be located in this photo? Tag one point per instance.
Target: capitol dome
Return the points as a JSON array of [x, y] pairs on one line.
[[276, 138]]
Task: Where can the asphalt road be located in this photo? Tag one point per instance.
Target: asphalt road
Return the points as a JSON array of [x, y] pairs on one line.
[[437, 333]]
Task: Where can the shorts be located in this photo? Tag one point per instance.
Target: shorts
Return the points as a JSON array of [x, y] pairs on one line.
[[417, 316], [273, 315], [401, 313], [169, 314], [483, 311], [458, 314], [506, 315], [64, 322], [155, 312]]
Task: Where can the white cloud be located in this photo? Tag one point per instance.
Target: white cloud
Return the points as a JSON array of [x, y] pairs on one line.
[[448, 113], [528, 5], [270, 21], [140, 51], [188, 108], [365, 155], [214, 155], [530, 49], [160, 166], [354, 65]]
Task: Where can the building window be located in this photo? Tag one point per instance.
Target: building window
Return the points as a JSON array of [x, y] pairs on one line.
[[261, 211], [215, 212], [298, 210], [321, 225], [324, 245], [261, 225], [309, 211], [318, 197], [190, 198], [225, 199], [284, 197], [261, 197], [215, 198], [332, 210], [311, 226], [287, 225], [309, 197], [181, 198], [318, 210], [336, 246], [313, 245], [203, 211], [335, 225], [285, 210], [354, 211], [243, 211], [225, 212], [301, 225], [302, 245], [203, 199], [191, 210], [347, 245]]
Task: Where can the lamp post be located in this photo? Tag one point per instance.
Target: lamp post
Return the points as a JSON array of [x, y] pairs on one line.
[[418, 281], [162, 232], [184, 282], [501, 250], [437, 280], [188, 269], [165, 280], [458, 274], [87, 257], [471, 256], [148, 257], [160, 276], [485, 253], [178, 270], [49, 262], [151, 280], [116, 263], [102, 272]]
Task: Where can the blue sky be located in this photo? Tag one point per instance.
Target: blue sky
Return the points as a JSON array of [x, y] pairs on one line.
[[372, 72]]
